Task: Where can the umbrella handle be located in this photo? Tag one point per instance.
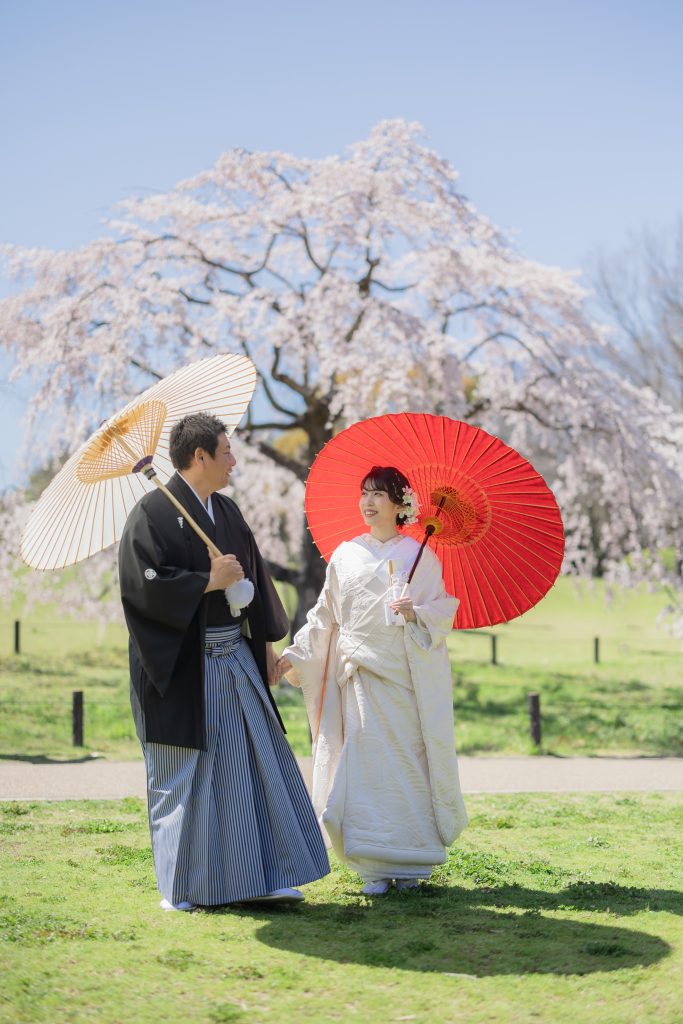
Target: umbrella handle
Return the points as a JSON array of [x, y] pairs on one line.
[[216, 552], [430, 528], [428, 532], [147, 469]]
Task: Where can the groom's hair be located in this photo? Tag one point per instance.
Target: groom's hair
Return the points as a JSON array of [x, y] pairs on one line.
[[198, 430], [391, 480]]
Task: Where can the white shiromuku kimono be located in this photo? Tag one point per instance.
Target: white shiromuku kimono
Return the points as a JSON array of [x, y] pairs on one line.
[[379, 700]]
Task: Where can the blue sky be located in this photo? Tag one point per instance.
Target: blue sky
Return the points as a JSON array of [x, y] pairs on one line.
[[564, 119]]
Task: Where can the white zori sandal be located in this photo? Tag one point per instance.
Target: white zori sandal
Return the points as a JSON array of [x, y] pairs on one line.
[[379, 888], [183, 905]]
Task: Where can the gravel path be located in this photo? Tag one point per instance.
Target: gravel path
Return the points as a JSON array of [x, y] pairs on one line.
[[101, 779]]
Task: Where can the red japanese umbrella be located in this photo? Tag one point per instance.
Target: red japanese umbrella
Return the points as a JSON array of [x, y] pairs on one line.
[[489, 516]]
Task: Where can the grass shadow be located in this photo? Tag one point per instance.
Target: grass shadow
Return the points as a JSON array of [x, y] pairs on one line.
[[508, 930]]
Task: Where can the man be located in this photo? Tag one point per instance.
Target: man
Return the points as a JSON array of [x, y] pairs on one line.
[[230, 816]]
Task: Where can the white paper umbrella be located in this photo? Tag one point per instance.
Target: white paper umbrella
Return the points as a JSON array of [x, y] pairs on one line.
[[85, 507]]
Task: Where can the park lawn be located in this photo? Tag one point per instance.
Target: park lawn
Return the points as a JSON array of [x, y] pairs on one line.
[[629, 703], [550, 908], [35, 706]]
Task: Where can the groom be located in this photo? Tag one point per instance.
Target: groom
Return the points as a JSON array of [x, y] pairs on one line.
[[230, 817]]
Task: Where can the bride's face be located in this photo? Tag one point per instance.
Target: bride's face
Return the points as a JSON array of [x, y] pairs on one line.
[[377, 508]]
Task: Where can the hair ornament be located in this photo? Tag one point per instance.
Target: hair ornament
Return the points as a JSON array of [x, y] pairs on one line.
[[411, 506]]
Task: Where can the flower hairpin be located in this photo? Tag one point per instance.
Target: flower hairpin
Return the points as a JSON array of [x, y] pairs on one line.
[[411, 505]]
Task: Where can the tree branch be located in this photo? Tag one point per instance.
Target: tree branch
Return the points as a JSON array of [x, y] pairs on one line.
[[288, 284], [395, 288], [297, 468], [275, 425], [366, 280], [192, 299], [266, 386], [486, 340], [284, 378], [303, 235], [274, 402], [355, 325], [147, 369], [246, 275], [522, 407]]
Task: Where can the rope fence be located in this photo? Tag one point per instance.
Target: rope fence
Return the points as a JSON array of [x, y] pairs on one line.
[[19, 630], [493, 639], [533, 699], [78, 710]]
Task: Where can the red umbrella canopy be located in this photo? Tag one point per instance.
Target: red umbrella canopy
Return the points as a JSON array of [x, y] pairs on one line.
[[500, 537]]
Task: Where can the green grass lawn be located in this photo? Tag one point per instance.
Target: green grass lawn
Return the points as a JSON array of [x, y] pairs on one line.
[[629, 703], [550, 909]]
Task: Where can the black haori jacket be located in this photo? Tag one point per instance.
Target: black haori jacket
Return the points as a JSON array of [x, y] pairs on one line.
[[164, 568]]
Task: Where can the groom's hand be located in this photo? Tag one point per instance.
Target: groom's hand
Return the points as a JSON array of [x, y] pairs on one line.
[[225, 571], [272, 663]]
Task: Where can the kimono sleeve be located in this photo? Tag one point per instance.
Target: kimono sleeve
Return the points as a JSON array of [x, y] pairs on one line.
[[151, 588], [434, 607], [160, 602], [308, 652], [275, 620]]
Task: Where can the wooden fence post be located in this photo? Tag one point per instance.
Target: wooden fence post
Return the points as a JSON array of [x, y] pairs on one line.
[[77, 717], [535, 718]]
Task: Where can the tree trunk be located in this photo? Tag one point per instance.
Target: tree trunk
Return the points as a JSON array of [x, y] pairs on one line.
[[309, 580], [310, 574]]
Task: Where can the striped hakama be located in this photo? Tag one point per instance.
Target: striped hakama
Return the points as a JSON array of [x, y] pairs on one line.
[[234, 821]]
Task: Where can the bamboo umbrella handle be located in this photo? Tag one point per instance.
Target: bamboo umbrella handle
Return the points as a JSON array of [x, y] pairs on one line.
[[150, 472], [216, 552]]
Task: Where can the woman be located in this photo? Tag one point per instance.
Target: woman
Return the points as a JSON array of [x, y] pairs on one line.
[[379, 699]]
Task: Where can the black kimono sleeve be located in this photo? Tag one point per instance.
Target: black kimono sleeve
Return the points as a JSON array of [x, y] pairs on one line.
[[275, 620], [160, 601]]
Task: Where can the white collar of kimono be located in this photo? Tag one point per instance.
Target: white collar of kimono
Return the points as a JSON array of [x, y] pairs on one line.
[[382, 545], [208, 506]]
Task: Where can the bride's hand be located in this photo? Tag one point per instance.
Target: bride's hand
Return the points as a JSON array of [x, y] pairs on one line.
[[283, 665], [404, 606]]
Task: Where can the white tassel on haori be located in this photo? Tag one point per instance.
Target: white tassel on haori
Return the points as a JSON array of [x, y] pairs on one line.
[[239, 595]]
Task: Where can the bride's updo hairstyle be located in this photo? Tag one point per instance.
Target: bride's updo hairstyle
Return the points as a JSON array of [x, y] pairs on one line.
[[391, 480]]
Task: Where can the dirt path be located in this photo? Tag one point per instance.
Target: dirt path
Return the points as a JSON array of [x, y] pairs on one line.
[[101, 779]]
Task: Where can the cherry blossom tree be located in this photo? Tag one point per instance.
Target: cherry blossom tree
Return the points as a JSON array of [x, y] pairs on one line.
[[358, 284]]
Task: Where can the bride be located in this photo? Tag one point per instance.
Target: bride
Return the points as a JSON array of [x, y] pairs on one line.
[[379, 698]]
